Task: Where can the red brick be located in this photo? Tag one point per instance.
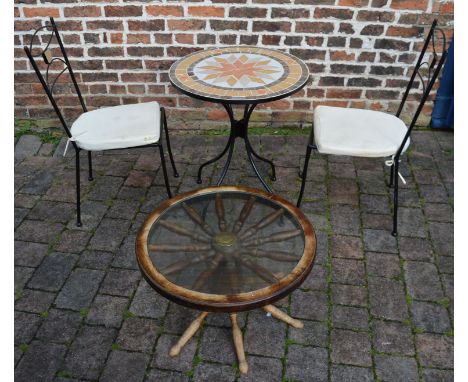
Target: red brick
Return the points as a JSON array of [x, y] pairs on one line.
[[407, 5], [123, 11], [185, 25], [290, 13], [314, 27], [178, 51], [342, 55], [145, 51], [353, 3], [271, 26], [116, 38], [446, 8], [343, 93], [138, 77], [314, 40], [336, 13], [222, 25], [249, 12], [382, 94], [184, 38], [372, 30], [203, 11], [216, 115], [346, 28], [375, 16], [158, 64], [88, 11], [124, 64], [106, 25], [149, 26], [112, 52], [41, 12], [17, 12], [330, 103], [165, 10], [138, 38], [271, 40], [405, 32]]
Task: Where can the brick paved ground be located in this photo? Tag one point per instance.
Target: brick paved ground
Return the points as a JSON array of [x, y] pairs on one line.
[[375, 308]]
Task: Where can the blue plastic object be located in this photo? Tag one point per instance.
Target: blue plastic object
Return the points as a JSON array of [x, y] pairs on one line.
[[442, 114]]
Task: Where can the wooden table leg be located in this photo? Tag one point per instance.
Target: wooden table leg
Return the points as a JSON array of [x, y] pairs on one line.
[[189, 332], [239, 344], [280, 315]]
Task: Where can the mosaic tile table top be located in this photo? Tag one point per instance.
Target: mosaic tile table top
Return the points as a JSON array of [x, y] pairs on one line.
[[239, 74]]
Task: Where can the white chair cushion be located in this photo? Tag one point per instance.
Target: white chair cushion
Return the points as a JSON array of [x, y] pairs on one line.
[[118, 127], [357, 132]]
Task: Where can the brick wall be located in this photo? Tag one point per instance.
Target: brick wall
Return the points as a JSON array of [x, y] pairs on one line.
[[360, 52]]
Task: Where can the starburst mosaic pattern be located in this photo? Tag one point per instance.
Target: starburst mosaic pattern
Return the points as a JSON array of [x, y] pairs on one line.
[[239, 74], [226, 243]]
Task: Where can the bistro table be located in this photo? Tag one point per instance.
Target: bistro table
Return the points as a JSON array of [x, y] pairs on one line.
[[242, 75], [226, 249]]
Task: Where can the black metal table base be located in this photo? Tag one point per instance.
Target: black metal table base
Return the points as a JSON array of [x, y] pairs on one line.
[[239, 129]]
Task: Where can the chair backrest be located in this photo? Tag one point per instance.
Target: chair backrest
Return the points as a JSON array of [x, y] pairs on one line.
[[433, 64], [46, 54]]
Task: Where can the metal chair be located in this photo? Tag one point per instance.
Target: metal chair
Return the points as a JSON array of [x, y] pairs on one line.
[[109, 128], [368, 133]]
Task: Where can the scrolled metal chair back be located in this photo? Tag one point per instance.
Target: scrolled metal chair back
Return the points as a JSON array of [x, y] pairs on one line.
[[49, 80], [432, 66]]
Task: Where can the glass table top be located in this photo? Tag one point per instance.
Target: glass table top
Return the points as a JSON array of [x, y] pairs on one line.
[[226, 242]]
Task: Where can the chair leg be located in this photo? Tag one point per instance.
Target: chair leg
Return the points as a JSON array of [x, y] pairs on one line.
[[303, 175], [163, 165], [90, 167], [392, 173], [395, 200], [166, 131], [78, 202]]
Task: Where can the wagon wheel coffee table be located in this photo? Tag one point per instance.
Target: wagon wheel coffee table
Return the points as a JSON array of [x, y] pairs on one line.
[[239, 75], [226, 249]]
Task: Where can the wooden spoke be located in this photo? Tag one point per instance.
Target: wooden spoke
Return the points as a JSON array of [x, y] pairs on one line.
[[267, 220], [262, 272], [179, 247], [205, 275], [238, 344], [189, 333], [220, 212], [279, 236], [197, 218], [278, 256], [182, 264], [244, 214], [183, 231], [280, 315]]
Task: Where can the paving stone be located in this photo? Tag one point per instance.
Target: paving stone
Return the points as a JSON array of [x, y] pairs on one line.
[[347, 271], [430, 317], [18, 355], [307, 364], [138, 334], [448, 281], [387, 299], [411, 222], [346, 317], [123, 367], [25, 200], [60, 326], [123, 209], [375, 204], [433, 193], [131, 193], [52, 211], [349, 295], [154, 198], [264, 335], [53, 271], [313, 333], [398, 369], [377, 221], [95, 259], [427, 176], [262, 369], [39, 183], [446, 264], [345, 220], [182, 362], [351, 348], [38, 231], [156, 375], [434, 375], [87, 354], [137, 178], [42, 361], [223, 320], [379, 241], [435, 350], [20, 214], [341, 373], [383, 264], [214, 339], [120, 282], [147, 302], [105, 188], [343, 191], [423, 281], [412, 248], [347, 247], [119, 167], [22, 275], [27, 145], [317, 279], [214, 372], [442, 237], [80, 288], [26, 325], [438, 212], [73, 241], [342, 170], [91, 215], [393, 337], [310, 305], [109, 234], [126, 256], [34, 301], [107, 311]]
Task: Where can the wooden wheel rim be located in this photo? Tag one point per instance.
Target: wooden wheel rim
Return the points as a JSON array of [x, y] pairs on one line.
[[218, 302]]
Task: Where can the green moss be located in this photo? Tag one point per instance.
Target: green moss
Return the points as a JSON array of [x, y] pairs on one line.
[[445, 302], [45, 314], [261, 131], [127, 314], [34, 127], [115, 346], [24, 348], [84, 312]]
